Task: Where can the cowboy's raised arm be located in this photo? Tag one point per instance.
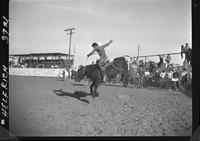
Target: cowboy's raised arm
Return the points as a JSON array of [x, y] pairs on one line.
[[107, 44], [92, 52]]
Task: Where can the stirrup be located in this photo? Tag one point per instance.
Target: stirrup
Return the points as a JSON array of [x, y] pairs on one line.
[[105, 63]]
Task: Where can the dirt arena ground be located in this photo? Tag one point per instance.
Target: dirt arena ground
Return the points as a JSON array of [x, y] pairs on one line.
[[41, 106]]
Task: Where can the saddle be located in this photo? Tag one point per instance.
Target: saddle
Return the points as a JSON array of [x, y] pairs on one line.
[[104, 66], [115, 65]]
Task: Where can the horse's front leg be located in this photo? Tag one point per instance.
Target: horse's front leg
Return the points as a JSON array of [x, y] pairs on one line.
[[96, 84], [91, 90]]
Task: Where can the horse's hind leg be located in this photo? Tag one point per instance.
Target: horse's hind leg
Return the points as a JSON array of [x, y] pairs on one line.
[[91, 89], [96, 84]]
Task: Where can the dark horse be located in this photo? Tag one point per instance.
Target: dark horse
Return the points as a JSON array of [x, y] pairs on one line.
[[188, 54], [93, 72]]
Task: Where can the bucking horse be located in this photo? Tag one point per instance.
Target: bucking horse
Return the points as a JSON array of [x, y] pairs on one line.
[[112, 69]]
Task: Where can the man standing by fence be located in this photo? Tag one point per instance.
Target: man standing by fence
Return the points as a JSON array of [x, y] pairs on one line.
[[168, 59]]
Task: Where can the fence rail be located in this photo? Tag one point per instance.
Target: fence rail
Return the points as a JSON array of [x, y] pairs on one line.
[[156, 55], [35, 72]]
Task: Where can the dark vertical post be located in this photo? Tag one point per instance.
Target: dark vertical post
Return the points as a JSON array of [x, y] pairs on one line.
[[52, 60], [138, 51], [31, 61], [45, 60], [59, 60], [138, 55], [38, 62], [70, 38]]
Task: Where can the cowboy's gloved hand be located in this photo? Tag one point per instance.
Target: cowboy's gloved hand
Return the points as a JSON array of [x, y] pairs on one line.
[[88, 55]]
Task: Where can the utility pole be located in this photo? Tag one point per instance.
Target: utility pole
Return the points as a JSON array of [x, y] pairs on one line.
[[138, 51], [138, 54], [70, 38]]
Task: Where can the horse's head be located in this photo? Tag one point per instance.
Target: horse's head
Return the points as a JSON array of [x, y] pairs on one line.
[[81, 72], [97, 61]]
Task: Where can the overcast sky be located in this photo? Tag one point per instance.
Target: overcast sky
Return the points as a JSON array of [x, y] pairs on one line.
[[158, 26]]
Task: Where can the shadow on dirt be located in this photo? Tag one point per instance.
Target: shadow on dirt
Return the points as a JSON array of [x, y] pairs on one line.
[[78, 95], [119, 85], [76, 84], [59, 79], [188, 93], [110, 84]]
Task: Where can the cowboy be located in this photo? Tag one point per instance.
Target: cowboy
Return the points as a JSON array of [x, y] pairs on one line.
[[175, 79], [103, 57]]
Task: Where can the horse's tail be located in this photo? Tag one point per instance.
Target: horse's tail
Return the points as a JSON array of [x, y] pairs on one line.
[[111, 71]]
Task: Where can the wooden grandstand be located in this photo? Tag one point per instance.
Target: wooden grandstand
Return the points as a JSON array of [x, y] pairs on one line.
[[41, 60]]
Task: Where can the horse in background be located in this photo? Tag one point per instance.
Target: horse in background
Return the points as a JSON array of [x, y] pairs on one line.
[[118, 66]]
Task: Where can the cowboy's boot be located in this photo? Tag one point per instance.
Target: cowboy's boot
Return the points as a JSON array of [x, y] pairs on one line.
[[104, 76]]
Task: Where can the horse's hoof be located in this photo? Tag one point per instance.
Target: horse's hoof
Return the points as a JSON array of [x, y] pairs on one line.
[[97, 94]]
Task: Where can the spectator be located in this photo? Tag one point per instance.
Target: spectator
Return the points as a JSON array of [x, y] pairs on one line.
[[187, 46], [161, 57], [168, 59], [162, 77], [175, 79], [169, 77]]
